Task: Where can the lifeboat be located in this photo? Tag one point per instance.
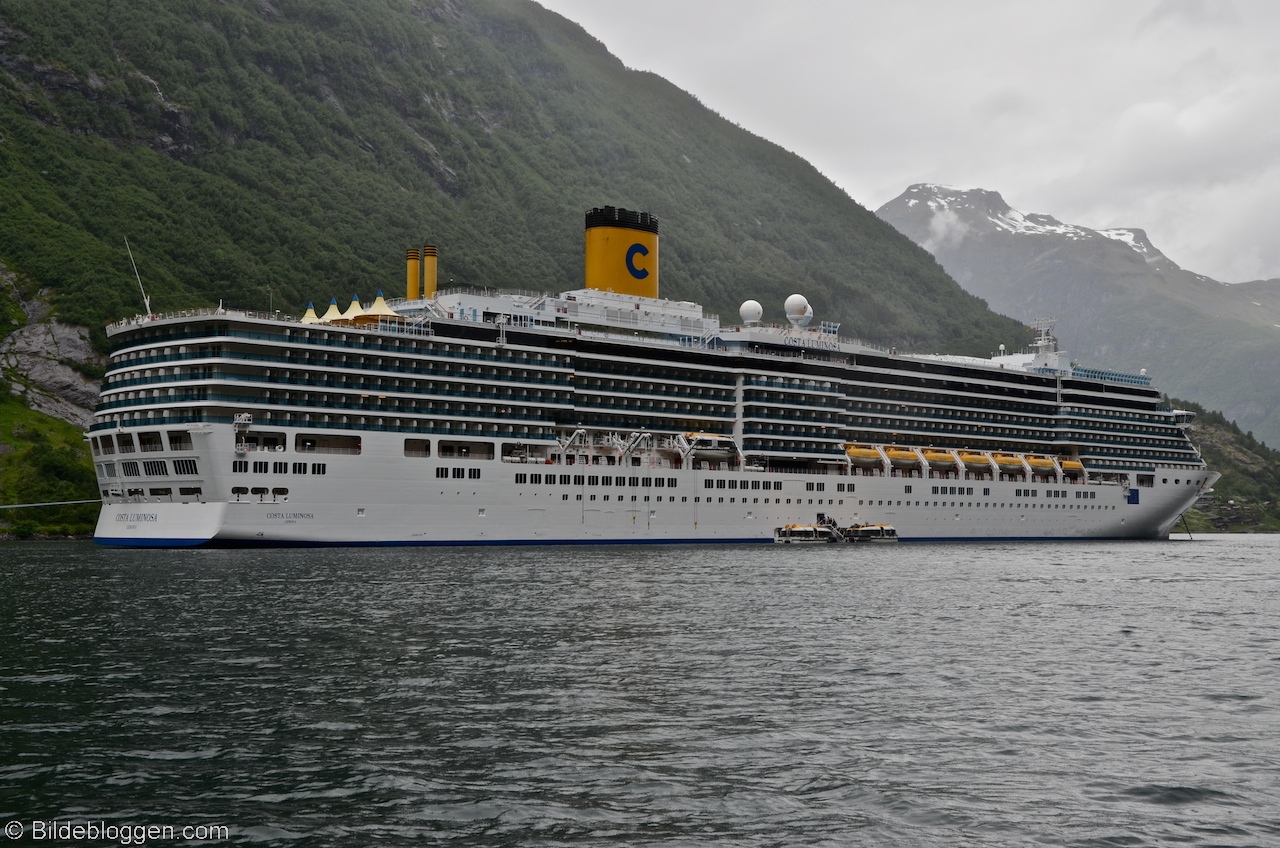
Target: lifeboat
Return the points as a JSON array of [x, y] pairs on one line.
[[1042, 466], [864, 456], [1072, 467], [1010, 463], [710, 444], [902, 457], [940, 458], [975, 461]]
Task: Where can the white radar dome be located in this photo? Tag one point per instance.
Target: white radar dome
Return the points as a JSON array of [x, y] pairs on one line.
[[807, 316], [797, 307], [750, 311]]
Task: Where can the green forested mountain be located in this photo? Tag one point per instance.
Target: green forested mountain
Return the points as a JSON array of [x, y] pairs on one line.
[[271, 152]]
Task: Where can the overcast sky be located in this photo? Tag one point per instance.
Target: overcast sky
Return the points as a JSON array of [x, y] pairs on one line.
[[1162, 115]]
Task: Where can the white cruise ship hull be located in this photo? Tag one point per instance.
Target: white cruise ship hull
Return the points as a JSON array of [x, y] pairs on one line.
[[384, 498]]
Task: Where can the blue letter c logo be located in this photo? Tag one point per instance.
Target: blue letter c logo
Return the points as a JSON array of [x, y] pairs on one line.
[[638, 273]]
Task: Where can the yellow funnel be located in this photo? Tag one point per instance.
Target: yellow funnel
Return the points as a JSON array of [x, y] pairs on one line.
[[622, 251], [428, 271], [413, 274]]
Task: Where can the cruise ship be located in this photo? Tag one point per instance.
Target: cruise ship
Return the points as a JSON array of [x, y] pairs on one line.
[[608, 415]]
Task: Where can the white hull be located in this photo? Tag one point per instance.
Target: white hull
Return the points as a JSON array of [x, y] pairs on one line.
[[385, 498]]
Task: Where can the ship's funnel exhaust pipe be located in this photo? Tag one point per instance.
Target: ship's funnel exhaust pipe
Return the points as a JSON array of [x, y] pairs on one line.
[[413, 275], [428, 271], [622, 251]]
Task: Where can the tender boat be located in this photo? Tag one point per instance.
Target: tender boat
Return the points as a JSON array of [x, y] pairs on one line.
[[870, 533], [806, 534]]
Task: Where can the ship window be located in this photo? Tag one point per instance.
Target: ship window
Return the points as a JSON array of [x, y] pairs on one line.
[[299, 468], [906, 490], [125, 440], [326, 443], [720, 484], [239, 490], [279, 492], [708, 484], [564, 497], [179, 441], [417, 447], [260, 468], [184, 466], [318, 467], [777, 485], [564, 479], [109, 469], [635, 481], [671, 482], [808, 487], [522, 479], [647, 482], [459, 473], [473, 473], [593, 480], [194, 491], [579, 480], [551, 479], [162, 493], [986, 492], [442, 472], [279, 468], [129, 468], [239, 466], [150, 442], [536, 479]]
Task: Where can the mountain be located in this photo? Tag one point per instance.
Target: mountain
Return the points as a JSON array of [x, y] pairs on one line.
[[273, 153], [1119, 302]]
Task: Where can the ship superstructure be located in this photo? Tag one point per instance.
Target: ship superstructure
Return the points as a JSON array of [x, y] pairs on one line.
[[608, 414]]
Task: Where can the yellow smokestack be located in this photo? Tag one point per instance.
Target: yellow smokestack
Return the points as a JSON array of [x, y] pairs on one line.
[[622, 251], [428, 271], [413, 275]]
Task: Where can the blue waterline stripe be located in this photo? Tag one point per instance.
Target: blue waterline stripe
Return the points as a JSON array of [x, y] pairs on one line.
[[116, 542]]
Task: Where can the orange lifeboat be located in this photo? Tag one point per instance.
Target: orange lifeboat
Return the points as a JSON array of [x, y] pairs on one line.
[[864, 456], [975, 461], [1010, 463], [902, 457], [1072, 467], [940, 458], [1042, 466]]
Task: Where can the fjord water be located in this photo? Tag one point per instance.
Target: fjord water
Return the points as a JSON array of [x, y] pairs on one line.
[[1082, 694]]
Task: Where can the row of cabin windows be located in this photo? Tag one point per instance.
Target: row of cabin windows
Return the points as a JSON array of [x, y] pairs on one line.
[[755, 484], [241, 466], [444, 473], [672, 499], [596, 480], [107, 443], [984, 504], [152, 468]]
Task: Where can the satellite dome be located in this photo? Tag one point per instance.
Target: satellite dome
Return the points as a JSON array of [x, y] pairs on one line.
[[750, 311], [796, 307], [806, 317]]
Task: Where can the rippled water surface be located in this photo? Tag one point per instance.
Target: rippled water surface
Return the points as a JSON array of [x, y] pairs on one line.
[[1084, 694]]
